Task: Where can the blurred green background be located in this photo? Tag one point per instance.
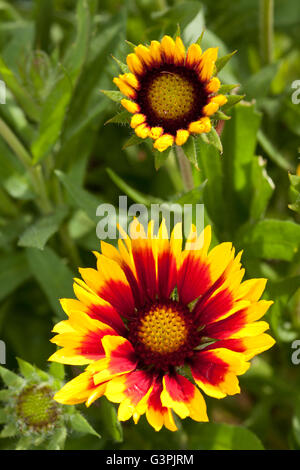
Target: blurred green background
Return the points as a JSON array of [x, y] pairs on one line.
[[55, 152]]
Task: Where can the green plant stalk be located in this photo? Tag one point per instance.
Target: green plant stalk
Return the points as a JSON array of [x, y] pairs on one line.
[[266, 28], [185, 169], [35, 173]]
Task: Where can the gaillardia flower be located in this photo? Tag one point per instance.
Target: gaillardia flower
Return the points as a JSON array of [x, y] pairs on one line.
[[170, 92], [156, 322]]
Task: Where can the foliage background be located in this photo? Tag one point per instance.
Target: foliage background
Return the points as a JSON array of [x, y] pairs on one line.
[[55, 150]]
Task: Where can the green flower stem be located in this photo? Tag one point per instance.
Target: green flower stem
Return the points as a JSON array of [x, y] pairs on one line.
[[35, 172], [266, 26], [185, 169]]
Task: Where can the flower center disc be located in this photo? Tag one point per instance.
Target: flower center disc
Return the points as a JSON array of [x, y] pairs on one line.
[[36, 407], [171, 96], [162, 330]]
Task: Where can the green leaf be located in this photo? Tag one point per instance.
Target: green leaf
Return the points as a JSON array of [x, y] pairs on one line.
[[263, 188], [110, 421], [239, 140], [51, 273], [215, 436], [10, 430], [26, 369], [10, 378], [57, 370], [121, 64], [258, 85], [13, 272], [295, 192], [135, 195], [222, 61], [5, 395], [270, 239], [213, 138], [133, 140], [272, 152], [189, 149], [79, 424], [113, 95], [58, 438], [79, 196], [209, 163], [21, 95], [121, 118], [227, 88], [231, 101], [160, 158], [3, 416], [38, 234], [55, 106]]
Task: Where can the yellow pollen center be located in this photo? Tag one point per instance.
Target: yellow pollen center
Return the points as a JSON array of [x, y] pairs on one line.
[[171, 96], [162, 330]]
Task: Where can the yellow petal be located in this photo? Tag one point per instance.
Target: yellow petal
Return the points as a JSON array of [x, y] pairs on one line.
[[181, 137], [179, 54], [163, 142], [210, 108], [168, 48], [198, 127], [193, 55], [143, 54], [137, 119], [213, 85], [156, 132], [142, 131], [131, 106], [134, 63], [207, 63], [155, 51]]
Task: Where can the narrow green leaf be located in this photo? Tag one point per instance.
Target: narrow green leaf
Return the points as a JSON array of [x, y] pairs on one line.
[[55, 106], [26, 369], [37, 234], [57, 370], [222, 61], [133, 140], [80, 424], [134, 194], [121, 64], [227, 88], [272, 152], [231, 101], [79, 196], [111, 424], [190, 151], [10, 430], [121, 118], [10, 378], [58, 438], [28, 105], [213, 138], [13, 272], [217, 436], [160, 158], [51, 273], [113, 95], [263, 188]]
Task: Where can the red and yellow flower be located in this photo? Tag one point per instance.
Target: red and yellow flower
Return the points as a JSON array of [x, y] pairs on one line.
[[156, 322], [171, 92]]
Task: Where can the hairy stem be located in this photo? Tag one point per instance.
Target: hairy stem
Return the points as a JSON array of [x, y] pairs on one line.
[[185, 169]]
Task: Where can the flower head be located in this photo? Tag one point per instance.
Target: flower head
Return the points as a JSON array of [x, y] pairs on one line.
[[152, 316], [29, 412], [171, 92]]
